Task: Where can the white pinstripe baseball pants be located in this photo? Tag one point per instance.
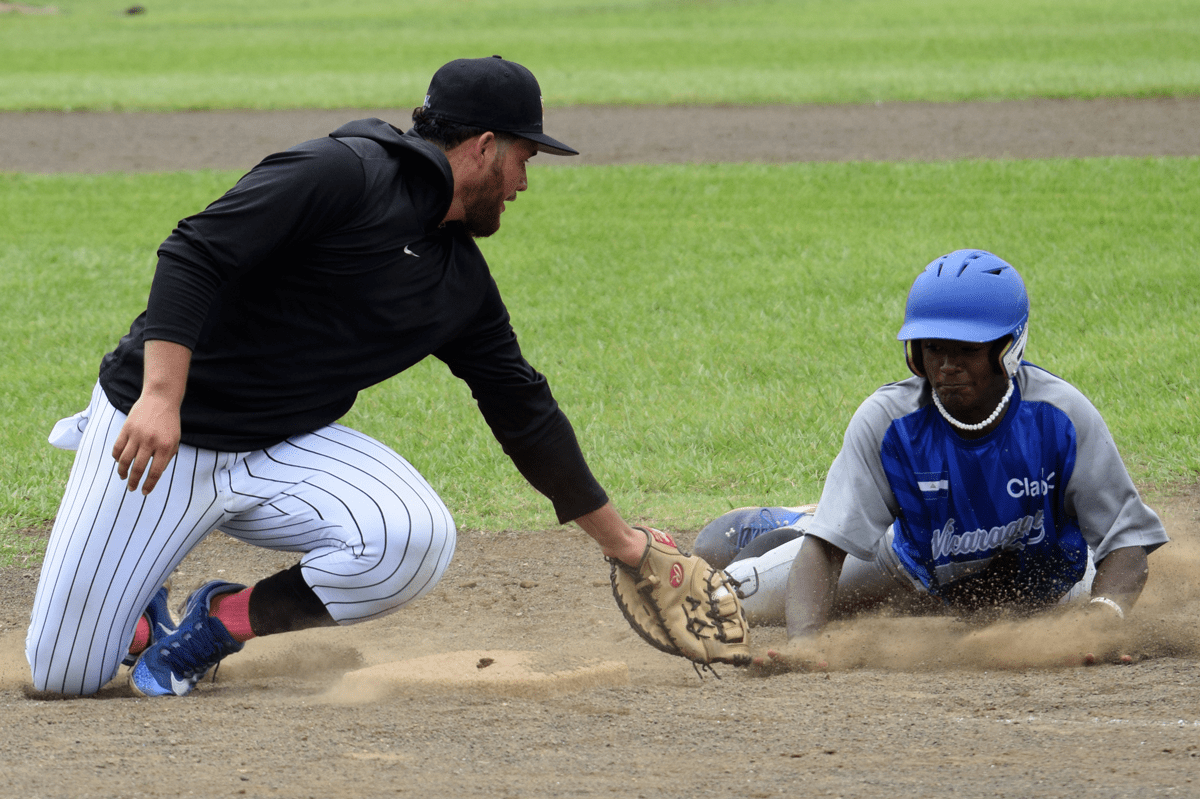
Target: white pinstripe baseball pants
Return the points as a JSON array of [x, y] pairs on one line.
[[375, 536]]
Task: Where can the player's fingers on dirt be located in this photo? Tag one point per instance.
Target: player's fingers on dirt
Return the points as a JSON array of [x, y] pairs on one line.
[[1091, 659], [764, 667], [777, 662], [785, 656]]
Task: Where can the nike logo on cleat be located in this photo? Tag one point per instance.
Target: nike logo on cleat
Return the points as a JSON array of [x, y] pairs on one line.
[[180, 687]]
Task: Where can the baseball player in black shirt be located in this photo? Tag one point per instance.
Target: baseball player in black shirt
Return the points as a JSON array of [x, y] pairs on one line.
[[326, 269]]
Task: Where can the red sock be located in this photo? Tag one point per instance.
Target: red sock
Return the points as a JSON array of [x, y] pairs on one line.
[[234, 612], [141, 637]]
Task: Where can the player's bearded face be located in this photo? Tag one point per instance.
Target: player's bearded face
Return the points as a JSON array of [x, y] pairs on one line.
[[962, 375], [503, 180], [483, 209]]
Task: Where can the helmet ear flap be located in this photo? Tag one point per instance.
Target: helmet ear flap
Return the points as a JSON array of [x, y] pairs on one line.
[[1010, 356], [914, 357], [1000, 348]]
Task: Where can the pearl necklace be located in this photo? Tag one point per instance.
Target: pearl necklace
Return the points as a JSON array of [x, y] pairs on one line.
[[972, 427]]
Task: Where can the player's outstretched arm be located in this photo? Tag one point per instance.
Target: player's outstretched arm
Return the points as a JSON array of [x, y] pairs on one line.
[[1121, 576], [812, 587], [1117, 585], [811, 591], [150, 436], [614, 535]]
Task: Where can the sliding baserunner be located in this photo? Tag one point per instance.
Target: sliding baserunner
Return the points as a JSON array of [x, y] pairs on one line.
[[983, 480]]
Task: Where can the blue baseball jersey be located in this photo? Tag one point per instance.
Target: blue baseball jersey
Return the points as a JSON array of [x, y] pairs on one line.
[[1043, 487]]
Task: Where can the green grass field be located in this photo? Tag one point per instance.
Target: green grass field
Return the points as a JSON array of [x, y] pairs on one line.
[[380, 53], [708, 329]]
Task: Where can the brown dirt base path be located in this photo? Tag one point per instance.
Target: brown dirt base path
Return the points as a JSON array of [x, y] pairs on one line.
[[909, 707], [98, 142]]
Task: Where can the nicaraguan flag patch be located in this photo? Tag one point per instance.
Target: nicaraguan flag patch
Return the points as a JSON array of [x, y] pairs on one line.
[[933, 483]]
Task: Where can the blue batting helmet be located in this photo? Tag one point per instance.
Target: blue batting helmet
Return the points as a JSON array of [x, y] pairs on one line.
[[968, 295]]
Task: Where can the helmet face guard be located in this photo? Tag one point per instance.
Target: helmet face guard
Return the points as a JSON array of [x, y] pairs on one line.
[[968, 295]]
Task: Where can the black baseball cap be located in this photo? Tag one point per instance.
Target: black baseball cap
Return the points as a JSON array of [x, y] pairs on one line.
[[493, 94]]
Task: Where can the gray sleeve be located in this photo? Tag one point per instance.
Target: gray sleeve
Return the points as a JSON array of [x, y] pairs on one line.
[[1100, 493], [857, 504]]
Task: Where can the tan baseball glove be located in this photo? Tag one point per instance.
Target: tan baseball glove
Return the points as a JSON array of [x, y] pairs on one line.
[[681, 605]]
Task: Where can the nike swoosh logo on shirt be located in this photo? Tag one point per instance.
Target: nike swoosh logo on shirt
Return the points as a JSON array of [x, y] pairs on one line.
[[410, 252]]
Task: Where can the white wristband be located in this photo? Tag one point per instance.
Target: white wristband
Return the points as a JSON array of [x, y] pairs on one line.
[[1103, 600]]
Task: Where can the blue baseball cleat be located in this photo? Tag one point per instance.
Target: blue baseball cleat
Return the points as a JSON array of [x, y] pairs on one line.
[[723, 537], [173, 664], [159, 616]]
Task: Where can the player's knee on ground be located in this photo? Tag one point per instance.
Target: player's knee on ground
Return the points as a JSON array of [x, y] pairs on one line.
[[55, 666]]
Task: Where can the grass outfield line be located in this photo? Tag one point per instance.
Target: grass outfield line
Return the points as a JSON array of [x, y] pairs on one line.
[[709, 329], [381, 53]]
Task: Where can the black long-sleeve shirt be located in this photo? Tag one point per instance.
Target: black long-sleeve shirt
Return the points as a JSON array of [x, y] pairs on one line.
[[323, 271]]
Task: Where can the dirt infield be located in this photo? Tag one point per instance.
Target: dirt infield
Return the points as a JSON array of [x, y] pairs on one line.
[[909, 707], [77, 142]]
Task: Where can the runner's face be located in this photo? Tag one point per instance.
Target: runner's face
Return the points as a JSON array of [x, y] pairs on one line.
[[962, 375], [503, 180]]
